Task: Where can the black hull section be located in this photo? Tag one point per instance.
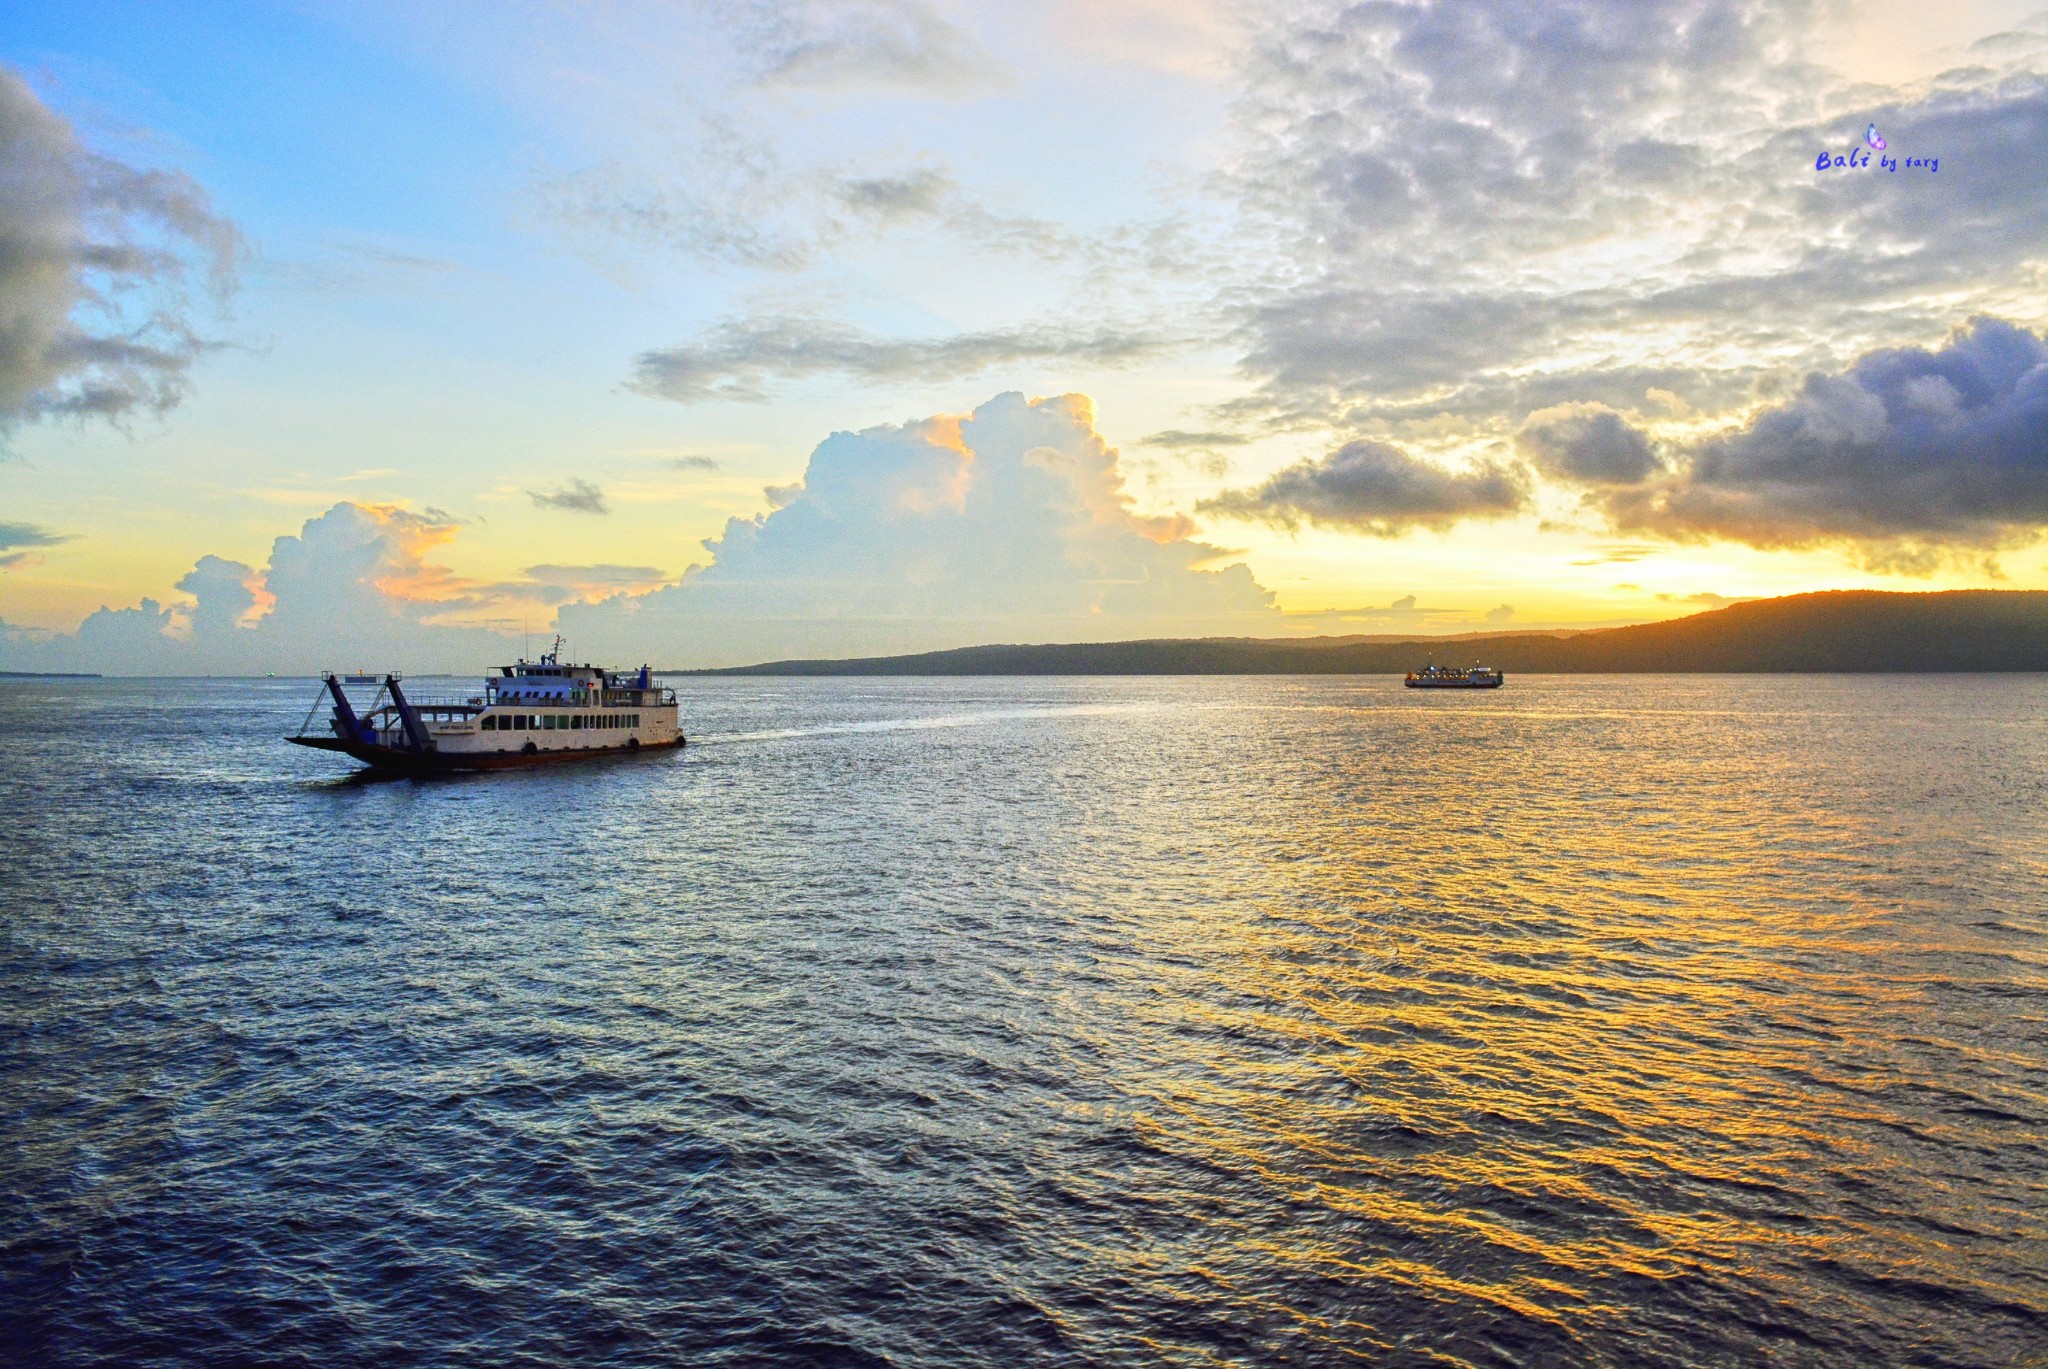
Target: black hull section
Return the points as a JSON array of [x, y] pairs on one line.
[[398, 761], [1454, 684]]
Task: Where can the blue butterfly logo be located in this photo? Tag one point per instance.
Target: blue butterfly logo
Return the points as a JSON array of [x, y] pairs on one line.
[[1874, 138]]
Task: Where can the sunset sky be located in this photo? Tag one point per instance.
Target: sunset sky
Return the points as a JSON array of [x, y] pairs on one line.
[[709, 332]]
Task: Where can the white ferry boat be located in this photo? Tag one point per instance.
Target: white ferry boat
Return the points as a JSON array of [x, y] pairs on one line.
[[528, 714], [1455, 677]]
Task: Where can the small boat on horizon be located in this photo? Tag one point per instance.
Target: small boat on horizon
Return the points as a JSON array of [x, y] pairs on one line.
[[1455, 677], [530, 713]]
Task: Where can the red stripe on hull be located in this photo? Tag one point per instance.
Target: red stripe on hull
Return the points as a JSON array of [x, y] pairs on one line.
[[445, 763]]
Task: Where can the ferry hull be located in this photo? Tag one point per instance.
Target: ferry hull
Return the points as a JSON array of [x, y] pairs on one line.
[[1494, 683], [398, 760]]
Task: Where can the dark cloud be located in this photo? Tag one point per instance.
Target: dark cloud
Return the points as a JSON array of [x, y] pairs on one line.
[[578, 496], [99, 266], [1176, 437], [919, 193], [1375, 488], [1905, 452], [1589, 444], [692, 463], [737, 358], [13, 535]]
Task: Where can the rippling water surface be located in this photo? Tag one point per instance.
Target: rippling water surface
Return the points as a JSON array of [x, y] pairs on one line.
[[1107, 1021]]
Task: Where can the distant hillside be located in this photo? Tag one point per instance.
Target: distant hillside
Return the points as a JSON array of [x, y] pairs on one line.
[[1846, 630]]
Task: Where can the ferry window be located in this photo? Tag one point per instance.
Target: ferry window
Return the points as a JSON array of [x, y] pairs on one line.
[[562, 720], [490, 724]]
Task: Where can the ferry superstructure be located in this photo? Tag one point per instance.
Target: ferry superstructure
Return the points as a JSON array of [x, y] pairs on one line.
[[1455, 677], [530, 713]]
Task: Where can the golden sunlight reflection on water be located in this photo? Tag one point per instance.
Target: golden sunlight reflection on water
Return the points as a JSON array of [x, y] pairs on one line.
[[1550, 999]]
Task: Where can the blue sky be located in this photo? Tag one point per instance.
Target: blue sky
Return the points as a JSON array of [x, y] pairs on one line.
[[1499, 306]]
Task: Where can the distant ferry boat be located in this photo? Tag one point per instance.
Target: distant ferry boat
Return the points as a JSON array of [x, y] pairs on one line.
[[1455, 677], [528, 714]]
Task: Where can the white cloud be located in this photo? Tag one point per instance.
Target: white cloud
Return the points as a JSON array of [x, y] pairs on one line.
[[98, 265], [354, 588], [1481, 207], [1008, 525], [1011, 523]]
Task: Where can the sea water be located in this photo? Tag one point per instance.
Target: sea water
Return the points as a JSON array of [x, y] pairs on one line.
[[1596, 1020]]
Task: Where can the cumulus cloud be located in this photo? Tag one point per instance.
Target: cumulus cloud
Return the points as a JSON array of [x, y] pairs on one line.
[[355, 587], [100, 265], [225, 595], [1009, 524], [1587, 444], [738, 358], [578, 496], [1375, 488], [1500, 615], [1906, 452]]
